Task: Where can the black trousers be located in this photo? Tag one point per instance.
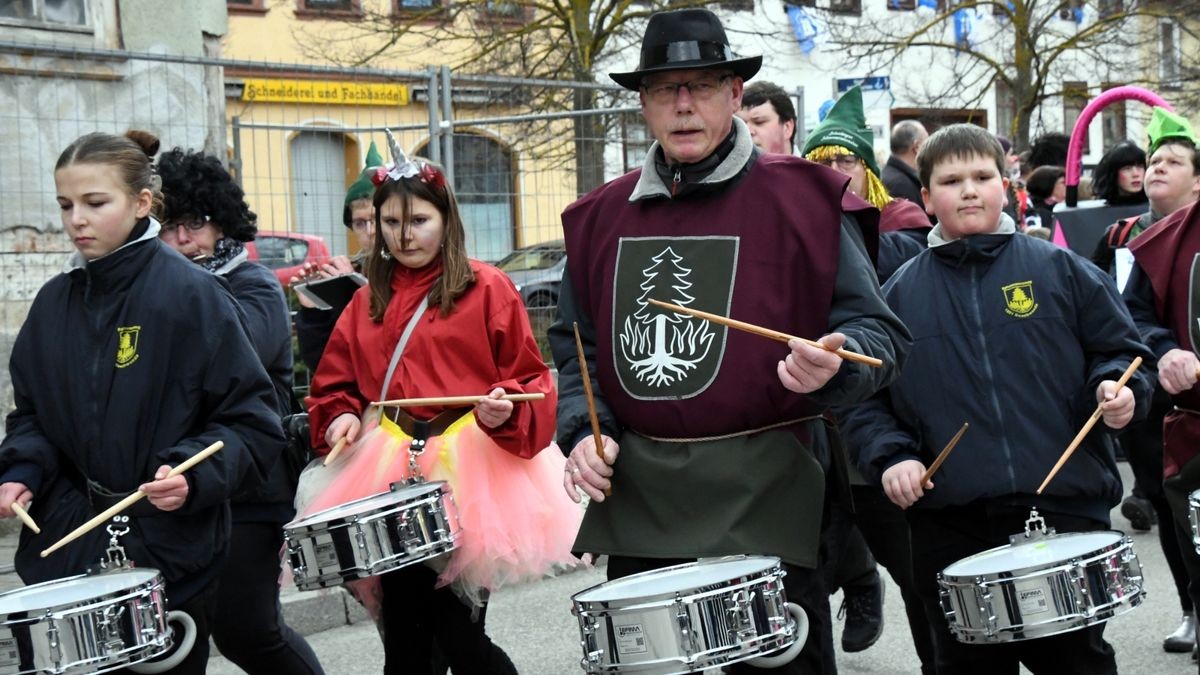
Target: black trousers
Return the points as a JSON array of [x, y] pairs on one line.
[[802, 586], [249, 629], [417, 617], [1177, 489], [1143, 443], [202, 608], [876, 532], [941, 537]]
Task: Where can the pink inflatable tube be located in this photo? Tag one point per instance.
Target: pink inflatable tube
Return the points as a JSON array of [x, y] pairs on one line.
[[1075, 149]]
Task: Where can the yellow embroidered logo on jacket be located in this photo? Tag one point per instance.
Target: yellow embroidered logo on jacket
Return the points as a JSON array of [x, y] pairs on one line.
[[127, 339], [1019, 300]]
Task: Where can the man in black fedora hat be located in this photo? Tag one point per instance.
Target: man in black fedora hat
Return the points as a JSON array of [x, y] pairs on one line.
[[713, 427]]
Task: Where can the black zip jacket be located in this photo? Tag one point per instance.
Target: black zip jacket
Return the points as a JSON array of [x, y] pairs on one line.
[[1021, 368], [268, 325], [135, 360]]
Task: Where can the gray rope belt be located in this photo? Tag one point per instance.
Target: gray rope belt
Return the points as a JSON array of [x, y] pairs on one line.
[[722, 437]]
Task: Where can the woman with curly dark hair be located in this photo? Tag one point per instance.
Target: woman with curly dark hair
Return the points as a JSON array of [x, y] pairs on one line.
[[206, 218], [1118, 177]]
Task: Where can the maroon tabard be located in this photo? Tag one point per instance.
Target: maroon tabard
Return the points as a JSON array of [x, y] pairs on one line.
[[763, 251]]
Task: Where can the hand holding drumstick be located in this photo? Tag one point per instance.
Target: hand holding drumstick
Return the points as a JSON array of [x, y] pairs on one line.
[[13, 498], [906, 482]]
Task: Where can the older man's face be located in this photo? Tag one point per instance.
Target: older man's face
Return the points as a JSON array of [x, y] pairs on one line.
[[690, 112]]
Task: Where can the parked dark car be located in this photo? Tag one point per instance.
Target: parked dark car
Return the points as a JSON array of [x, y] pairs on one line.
[[537, 272], [284, 253]]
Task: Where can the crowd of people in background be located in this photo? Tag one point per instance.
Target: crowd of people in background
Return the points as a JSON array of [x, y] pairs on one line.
[[161, 337]]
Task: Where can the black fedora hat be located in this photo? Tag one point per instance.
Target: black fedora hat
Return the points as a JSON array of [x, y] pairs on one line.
[[686, 39]]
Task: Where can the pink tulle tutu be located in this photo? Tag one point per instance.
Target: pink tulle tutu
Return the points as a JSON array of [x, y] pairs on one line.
[[517, 522]]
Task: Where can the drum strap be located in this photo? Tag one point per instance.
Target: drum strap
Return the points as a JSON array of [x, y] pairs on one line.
[[408, 331], [1187, 410], [722, 437]]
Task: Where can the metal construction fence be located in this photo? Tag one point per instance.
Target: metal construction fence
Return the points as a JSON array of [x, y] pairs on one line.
[[295, 136]]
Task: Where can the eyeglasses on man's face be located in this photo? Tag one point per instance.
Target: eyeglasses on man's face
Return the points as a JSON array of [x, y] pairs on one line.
[[189, 223], [702, 88], [361, 224], [842, 162]]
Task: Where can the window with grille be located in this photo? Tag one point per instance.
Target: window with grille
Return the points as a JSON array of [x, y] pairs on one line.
[[73, 13]]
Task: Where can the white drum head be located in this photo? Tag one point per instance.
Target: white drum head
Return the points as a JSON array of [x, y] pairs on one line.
[[72, 590], [1054, 549], [678, 578], [367, 504]]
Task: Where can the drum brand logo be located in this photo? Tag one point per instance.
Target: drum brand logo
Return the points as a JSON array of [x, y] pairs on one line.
[[1018, 299], [127, 339], [631, 639]]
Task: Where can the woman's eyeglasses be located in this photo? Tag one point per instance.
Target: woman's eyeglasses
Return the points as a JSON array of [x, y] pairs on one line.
[[843, 162], [190, 223]]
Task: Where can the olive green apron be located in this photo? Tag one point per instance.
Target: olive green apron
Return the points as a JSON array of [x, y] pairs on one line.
[[759, 494]]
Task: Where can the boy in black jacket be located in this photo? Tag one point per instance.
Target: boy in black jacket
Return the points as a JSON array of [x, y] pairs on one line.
[[978, 302]]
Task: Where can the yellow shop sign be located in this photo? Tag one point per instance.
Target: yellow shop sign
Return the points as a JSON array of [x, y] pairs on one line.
[[330, 93]]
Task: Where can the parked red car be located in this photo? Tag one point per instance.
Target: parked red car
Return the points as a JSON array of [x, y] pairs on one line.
[[286, 252]]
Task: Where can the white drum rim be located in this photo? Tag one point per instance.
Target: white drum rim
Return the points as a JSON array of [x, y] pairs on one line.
[[1194, 499], [149, 579], [961, 577], [383, 500], [766, 565]]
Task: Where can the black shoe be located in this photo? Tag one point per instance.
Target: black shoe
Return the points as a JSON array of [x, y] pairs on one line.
[[862, 607], [1139, 512], [1183, 640]]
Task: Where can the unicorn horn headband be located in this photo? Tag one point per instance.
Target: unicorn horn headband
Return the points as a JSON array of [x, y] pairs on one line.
[[402, 166]]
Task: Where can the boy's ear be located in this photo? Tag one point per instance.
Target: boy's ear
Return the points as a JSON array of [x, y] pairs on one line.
[[925, 198], [1006, 182]]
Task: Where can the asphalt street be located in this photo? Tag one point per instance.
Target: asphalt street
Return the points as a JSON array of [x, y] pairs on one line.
[[534, 624]]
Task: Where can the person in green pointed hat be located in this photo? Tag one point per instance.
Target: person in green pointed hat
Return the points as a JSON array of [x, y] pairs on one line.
[[843, 141], [1173, 168], [358, 213]]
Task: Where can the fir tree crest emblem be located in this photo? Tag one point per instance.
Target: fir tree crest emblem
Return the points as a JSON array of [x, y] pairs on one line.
[[1019, 300]]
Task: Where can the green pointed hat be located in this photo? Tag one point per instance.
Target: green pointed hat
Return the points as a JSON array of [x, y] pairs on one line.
[[845, 125], [1165, 125], [362, 188]]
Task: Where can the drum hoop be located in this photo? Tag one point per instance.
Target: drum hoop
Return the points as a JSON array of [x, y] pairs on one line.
[[773, 569], [1035, 570], [370, 516], [64, 609], [1194, 499], [436, 491]]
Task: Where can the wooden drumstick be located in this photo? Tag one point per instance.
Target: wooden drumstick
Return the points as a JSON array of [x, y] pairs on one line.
[[937, 463], [455, 400], [1088, 425], [25, 517], [591, 400], [131, 499], [337, 447], [767, 332]]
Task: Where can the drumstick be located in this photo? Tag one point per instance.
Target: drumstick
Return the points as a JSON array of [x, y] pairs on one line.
[[1088, 425], [591, 400], [767, 332], [337, 447], [455, 400], [937, 463], [131, 499], [25, 517]]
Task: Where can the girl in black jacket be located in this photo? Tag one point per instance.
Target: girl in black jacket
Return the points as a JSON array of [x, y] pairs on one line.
[[130, 362]]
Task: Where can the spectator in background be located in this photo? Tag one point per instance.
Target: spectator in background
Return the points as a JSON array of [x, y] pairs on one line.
[[768, 111], [1049, 149], [1118, 177], [1047, 186], [900, 173]]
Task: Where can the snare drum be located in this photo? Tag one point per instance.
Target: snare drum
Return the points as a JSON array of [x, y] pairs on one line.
[[84, 624], [689, 617], [370, 536], [1045, 585]]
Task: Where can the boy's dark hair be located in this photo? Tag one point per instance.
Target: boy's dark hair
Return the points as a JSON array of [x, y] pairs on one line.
[[1041, 182], [958, 141], [758, 93], [1186, 145], [431, 186], [195, 186]]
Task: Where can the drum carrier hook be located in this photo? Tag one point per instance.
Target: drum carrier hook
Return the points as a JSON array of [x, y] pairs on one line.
[[420, 435], [114, 557], [1035, 528]]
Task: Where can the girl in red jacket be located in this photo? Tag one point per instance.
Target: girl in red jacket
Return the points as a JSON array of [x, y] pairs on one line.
[[472, 338]]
